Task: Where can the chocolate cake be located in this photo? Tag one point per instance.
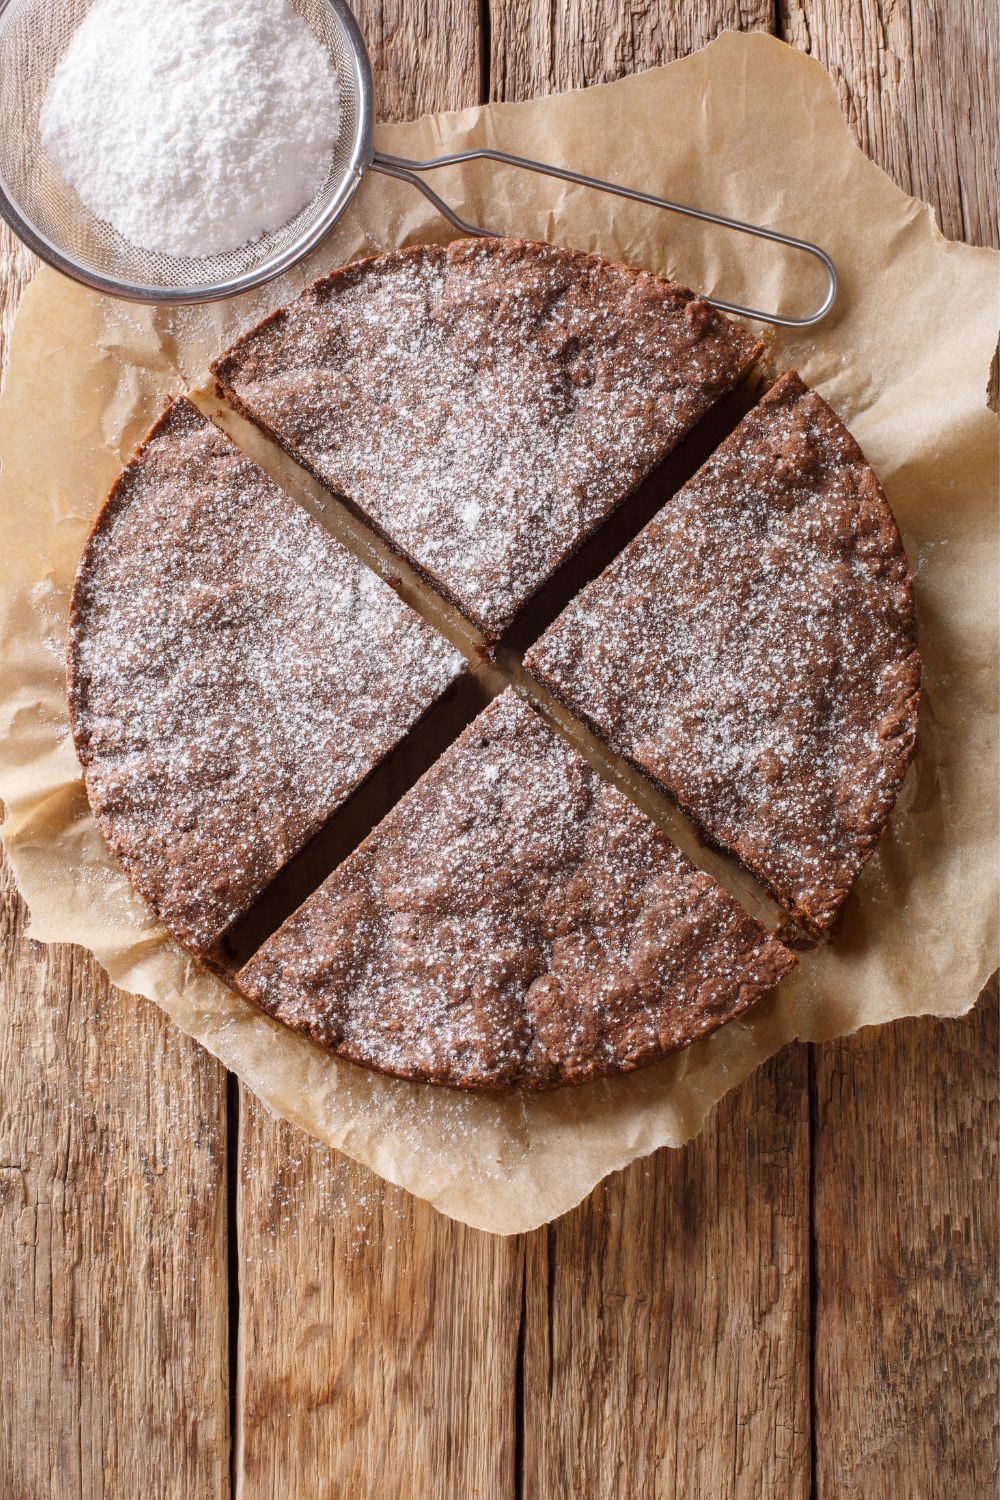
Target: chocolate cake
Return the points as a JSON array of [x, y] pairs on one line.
[[754, 651], [513, 922], [485, 406], [234, 674]]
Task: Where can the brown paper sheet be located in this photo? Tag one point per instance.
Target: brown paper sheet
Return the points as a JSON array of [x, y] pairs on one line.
[[747, 127]]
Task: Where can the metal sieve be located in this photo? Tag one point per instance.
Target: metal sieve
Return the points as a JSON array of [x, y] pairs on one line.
[[48, 215]]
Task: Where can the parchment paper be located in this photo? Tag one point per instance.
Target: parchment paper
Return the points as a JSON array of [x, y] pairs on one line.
[[753, 129]]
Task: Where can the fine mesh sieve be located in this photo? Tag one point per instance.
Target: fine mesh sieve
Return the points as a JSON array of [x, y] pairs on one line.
[[52, 220], [50, 217]]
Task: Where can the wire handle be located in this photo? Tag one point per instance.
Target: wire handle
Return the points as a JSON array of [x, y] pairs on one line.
[[406, 171]]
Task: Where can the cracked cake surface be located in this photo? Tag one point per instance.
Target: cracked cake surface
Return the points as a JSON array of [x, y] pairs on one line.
[[234, 674], [753, 650], [485, 406], [514, 921]]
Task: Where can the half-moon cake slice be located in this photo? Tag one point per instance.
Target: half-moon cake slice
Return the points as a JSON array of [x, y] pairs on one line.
[[234, 674], [513, 922], [754, 651], [485, 406]]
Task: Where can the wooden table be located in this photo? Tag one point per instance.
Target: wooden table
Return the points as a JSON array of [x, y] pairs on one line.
[[197, 1300]]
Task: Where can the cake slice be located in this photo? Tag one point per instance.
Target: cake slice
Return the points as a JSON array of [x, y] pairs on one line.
[[485, 406], [513, 922], [754, 652], [234, 675]]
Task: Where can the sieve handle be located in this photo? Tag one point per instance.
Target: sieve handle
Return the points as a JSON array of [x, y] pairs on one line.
[[406, 171]]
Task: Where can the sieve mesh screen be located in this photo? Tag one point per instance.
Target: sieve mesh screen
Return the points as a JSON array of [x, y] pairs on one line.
[[34, 34]]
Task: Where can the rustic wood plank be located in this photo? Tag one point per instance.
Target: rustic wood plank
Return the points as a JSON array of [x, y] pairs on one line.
[[904, 1221], [113, 1306], [537, 47], [17, 266], [378, 1341], [113, 1294], [906, 1233], [426, 54], [667, 1319], [666, 1347], [918, 84]]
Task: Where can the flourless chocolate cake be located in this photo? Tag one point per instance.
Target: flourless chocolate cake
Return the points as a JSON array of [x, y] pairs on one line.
[[234, 674], [514, 922], [485, 406], [754, 651]]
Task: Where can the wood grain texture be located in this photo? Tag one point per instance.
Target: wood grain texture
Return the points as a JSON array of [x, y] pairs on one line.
[[378, 1340], [918, 83], [17, 266], [113, 1300], [540, 47], [113, 1286], [426, 54], [905, 1231], [666, 1348], [667, 1319], [904, 1217]]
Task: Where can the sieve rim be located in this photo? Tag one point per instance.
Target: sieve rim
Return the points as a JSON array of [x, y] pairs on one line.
[[359, 159]]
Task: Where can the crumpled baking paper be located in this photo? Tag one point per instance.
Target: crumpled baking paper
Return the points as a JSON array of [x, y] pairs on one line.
[[752, 129]]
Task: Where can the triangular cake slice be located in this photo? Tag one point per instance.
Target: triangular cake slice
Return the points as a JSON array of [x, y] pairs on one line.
[[754, 651], [234, 675], [485, 406], [514, 922]]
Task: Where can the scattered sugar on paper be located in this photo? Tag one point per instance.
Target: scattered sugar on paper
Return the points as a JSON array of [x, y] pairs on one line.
[[195, 127]]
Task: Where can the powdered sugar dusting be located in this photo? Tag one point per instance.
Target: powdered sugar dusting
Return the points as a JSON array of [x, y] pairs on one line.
[[487, 406], [754, 650], [194, 126], [234, 674], [513, 921]]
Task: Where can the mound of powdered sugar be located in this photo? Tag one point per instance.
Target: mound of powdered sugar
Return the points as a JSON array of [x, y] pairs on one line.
[[195, 126]]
